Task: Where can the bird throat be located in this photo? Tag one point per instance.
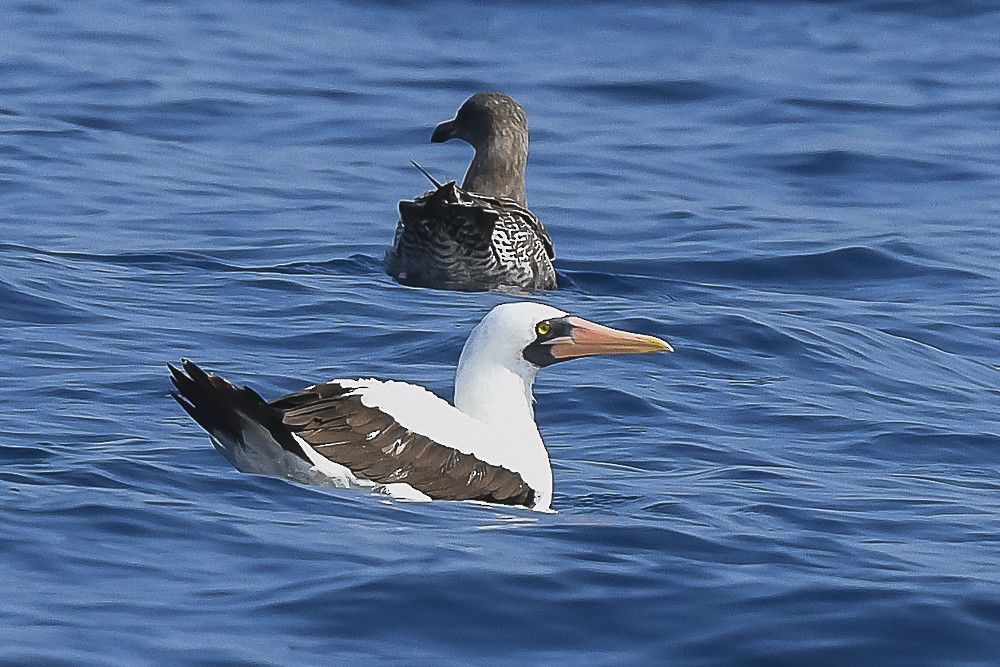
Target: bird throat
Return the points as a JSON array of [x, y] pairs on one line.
[[495, 395]]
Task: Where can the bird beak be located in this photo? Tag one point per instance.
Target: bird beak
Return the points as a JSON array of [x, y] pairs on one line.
[[443, 132], [587, 339]]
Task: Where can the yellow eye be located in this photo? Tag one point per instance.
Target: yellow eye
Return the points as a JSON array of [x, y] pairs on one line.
[[543, 328]]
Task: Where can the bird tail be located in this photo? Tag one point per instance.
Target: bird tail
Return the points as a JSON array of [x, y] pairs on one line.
[[244, 428]]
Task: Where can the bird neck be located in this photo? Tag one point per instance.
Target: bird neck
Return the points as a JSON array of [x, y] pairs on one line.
[[500, 397], [497, 170], [494, 395]]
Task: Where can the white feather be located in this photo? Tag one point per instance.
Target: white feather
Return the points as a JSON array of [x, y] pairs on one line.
[[492, 419]]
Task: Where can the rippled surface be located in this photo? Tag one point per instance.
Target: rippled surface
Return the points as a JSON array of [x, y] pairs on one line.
[[801, 197]]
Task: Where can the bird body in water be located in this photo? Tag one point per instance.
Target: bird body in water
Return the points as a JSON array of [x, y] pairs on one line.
[[400, 438], [481, 235]]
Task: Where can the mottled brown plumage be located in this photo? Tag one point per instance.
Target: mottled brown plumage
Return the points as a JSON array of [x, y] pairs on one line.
[[479, 236]]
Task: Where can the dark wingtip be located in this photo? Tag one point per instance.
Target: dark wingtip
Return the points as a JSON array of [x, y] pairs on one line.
[[423, 171], [183, 402], [177, 376], [194, 371]]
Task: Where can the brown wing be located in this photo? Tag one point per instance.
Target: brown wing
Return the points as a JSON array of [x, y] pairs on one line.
[[520, 215], [225, 410], [452, 239], [333, 420]]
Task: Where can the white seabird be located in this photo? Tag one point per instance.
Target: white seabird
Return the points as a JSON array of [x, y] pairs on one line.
[[400, 437]]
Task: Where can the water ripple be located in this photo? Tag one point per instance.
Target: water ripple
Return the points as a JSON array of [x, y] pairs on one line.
[[799, 196]]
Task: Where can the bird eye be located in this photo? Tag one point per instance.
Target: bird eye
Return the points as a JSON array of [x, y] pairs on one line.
[[543, 328]]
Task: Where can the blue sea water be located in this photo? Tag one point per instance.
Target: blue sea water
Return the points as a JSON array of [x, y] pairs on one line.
[[801, 197]]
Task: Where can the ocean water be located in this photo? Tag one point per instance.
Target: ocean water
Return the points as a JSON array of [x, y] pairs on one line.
[[801, 197]]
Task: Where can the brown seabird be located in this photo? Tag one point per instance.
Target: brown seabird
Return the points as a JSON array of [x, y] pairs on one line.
[[401, 438], [481, 235]]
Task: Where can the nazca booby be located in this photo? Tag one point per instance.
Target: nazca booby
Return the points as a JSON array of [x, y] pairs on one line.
[[403, 439], [479, 236]]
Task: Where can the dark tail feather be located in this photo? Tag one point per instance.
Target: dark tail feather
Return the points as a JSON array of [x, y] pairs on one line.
[[221, 407], [209, 400], [424, 172]]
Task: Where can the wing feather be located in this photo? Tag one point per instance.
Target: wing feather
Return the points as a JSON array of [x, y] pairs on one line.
[[451, 238], [337, 423]]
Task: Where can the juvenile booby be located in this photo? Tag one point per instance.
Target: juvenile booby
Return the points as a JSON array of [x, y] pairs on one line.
[[479, 236], [400, 437]]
